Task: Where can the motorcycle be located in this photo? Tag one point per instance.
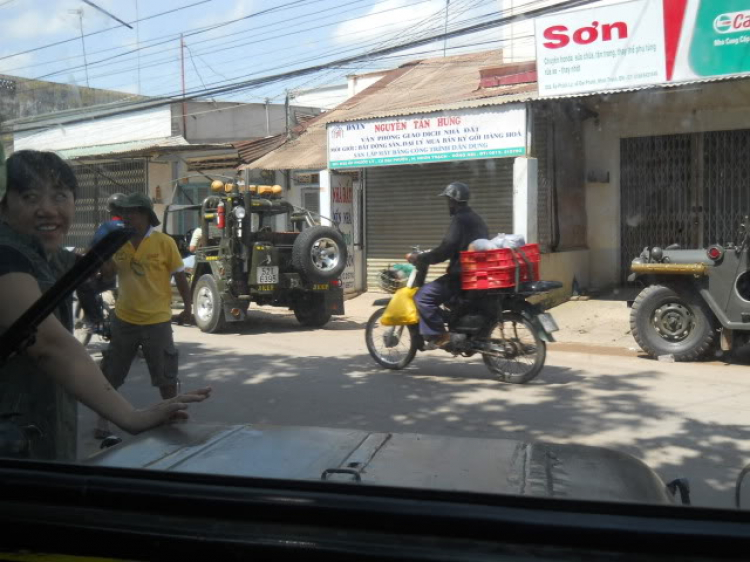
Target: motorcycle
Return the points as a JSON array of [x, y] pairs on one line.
[[509, 332], [84, 329]]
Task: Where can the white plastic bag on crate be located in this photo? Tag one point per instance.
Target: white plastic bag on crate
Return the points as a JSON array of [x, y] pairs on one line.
[[481, 245], [508, 241]]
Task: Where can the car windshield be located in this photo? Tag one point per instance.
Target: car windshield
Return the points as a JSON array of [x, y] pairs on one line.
[[494, 246]]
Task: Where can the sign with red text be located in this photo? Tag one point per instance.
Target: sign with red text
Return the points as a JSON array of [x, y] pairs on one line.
[[641, 43], [468, 134], [342, 207], [594, 49]]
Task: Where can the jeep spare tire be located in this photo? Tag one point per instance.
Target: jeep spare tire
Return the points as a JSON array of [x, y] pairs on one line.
[[319, 254]]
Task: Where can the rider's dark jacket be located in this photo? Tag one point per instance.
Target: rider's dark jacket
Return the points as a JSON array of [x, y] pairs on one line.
[[465, 227]]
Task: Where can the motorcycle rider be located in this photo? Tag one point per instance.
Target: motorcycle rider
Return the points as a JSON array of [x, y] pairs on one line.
[[87, 291], [115, 221], [465, 227]]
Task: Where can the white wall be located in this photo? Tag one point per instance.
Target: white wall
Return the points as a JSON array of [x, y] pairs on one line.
[[525, 199], [327, 97], [358, 83], [142, 125]]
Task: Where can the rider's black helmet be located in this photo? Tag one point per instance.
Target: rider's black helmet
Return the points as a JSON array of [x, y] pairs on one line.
[[457, 191], [115, 201]]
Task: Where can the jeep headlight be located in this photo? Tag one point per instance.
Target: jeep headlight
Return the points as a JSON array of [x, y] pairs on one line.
[[239, 213]]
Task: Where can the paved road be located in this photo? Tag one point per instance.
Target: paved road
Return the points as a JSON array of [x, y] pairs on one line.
[[681, 419]]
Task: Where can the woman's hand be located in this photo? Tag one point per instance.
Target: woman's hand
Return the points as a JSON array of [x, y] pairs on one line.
[[164, 412]]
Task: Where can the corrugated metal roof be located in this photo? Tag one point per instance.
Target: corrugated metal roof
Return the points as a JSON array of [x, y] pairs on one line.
[[251, 150], [669, 85], [419, 87], [444, 84], [135, 148]]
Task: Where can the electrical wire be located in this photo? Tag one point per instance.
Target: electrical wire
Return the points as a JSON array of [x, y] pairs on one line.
[[194, 66], [256, 39], [189, 34], [78, 38], [246, 84]]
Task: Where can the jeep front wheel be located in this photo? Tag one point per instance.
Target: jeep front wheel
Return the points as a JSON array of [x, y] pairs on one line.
[[208, 305], [312, 312], [319, 254], [666, 322]]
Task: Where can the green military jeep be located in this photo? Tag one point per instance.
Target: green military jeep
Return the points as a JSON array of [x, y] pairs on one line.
[[257, 247]]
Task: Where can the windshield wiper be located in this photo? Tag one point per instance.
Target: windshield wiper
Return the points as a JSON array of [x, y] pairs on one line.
[[22, 333]]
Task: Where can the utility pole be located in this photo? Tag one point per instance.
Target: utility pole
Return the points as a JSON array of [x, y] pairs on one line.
[[182, 57], [79, 13], [138, 44], [288, 116], [445, 41]]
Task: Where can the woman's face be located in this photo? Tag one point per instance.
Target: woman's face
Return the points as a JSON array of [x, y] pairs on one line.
[[42, 211]]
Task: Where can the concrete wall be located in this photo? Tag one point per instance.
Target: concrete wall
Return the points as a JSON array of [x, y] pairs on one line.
[[220, 122], [24, 97], [563, 267], [688, 109]]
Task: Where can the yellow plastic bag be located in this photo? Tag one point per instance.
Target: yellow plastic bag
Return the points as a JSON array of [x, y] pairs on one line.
[[402, 309]]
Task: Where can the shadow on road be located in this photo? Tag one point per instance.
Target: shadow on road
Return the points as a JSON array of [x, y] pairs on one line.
[[440, 395], [263, 322]]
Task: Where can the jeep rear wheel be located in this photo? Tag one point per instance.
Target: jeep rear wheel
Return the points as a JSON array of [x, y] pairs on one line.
[[208, 305], [666, 322], [312, 312], [319, 254]]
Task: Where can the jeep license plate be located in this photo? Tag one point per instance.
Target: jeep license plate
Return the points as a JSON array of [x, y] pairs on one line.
[[268, 275], [548, 323]]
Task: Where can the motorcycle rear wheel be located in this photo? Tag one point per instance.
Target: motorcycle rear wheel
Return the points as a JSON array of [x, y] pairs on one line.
[[83, 331], [80, 329], [526, 350], [391, 346]]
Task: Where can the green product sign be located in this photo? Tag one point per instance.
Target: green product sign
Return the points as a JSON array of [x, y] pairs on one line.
[[721, 40]]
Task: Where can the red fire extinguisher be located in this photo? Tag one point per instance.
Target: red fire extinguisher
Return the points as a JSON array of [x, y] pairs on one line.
[[220, 215]]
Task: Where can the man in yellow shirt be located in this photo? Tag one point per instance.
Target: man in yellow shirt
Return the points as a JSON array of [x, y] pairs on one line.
[[143, 313]]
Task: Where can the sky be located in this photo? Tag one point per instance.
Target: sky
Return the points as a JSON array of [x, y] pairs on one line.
[[225, 40]]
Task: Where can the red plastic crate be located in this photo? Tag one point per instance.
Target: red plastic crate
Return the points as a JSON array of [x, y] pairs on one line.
[[496, 269], [482, 261]]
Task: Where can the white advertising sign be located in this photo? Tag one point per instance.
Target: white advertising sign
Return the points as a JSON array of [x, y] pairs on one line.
[[609, 47], [468, 134]]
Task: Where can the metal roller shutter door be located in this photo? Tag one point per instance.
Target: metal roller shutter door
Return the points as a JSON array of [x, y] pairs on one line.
[[96, 182], [403, 208]]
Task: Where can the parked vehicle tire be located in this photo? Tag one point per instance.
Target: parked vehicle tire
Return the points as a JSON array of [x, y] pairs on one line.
[[393, 347], [522, 350], [319, 254], [312, 312], [208, 305], [664, 321]]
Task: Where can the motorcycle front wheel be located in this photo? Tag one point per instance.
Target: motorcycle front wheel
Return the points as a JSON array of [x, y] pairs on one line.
[[520, 351], [391, 346]]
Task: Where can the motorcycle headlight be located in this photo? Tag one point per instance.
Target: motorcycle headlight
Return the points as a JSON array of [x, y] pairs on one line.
[[239, 213]]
